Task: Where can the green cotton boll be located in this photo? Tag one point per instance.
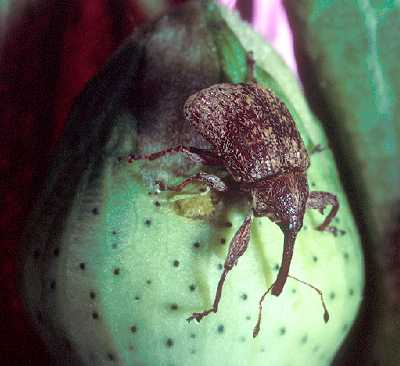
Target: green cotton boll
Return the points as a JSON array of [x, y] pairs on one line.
[[112, 267]]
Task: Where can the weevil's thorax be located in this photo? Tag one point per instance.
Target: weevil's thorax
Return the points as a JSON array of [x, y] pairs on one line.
[[282, 199]]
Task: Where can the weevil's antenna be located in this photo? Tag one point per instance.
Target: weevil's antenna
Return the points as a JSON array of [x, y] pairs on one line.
[[326, 313], [256, 329], [257, 326]]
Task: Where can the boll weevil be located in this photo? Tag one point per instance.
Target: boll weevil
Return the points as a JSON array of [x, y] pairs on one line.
[[255, 139]]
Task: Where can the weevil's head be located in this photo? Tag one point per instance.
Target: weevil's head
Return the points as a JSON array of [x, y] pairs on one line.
[[283, 200]]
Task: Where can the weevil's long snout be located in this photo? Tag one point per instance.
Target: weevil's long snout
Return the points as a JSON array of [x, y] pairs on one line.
[[291, 223], [288, 246], [283, 200]]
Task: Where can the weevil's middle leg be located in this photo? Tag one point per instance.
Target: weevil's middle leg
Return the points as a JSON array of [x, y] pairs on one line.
[[212, 181], [197, 155], [319, 200], [237, 248]]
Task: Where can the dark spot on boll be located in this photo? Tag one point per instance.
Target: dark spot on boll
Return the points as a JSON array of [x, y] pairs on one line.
[[174, 307], [312, 184], [192, 335], [92, 295], [82, 266], [36, 253], [196, 245], [315, 349], [248, 317], [294, 290], [282, 331], [110, 357], [137, 297], [157, 203], [147, 222], [346, 256], [220, 266], [315, 259], [304, 227], [345, 327], [56, 252], [95, 315], [332, 295], [304, 339], [351, 292], [220, 328], [95, 211], [242, 339], [53, 284], [222, 241], [169, 343], [116, 271], [133, 329], [192, 287], [244, 296], [114, 232], [276, 267], [131, 348], [193, 351], [148, 282], [176, 263], [114, 245]]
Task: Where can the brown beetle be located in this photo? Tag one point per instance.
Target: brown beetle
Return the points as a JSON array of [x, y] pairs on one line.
[[255, 139]]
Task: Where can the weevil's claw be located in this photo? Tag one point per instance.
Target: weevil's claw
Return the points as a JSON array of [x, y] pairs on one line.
[[317, 149], [131, 158], [199, 316], [329, 229]]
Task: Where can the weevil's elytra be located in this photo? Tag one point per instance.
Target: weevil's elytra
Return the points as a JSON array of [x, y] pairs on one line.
[[255, 139], [251, 130]]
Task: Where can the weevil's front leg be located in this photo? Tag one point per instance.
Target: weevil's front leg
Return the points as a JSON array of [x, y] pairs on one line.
[[203, 156], [212, 181], [237, 247], [319, 200]]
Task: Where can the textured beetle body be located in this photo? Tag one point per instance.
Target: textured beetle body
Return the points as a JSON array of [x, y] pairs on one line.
[[254, 138], [251, 130]]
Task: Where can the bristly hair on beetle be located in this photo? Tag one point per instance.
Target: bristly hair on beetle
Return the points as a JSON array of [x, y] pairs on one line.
[[255, 139]]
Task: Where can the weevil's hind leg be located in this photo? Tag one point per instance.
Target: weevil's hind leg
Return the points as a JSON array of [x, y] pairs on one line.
[[319, 200], [237, 247], [212, 181], [203, 156], [251, 65]]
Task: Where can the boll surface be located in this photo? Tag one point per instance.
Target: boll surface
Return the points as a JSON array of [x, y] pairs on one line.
[[112, 267]]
